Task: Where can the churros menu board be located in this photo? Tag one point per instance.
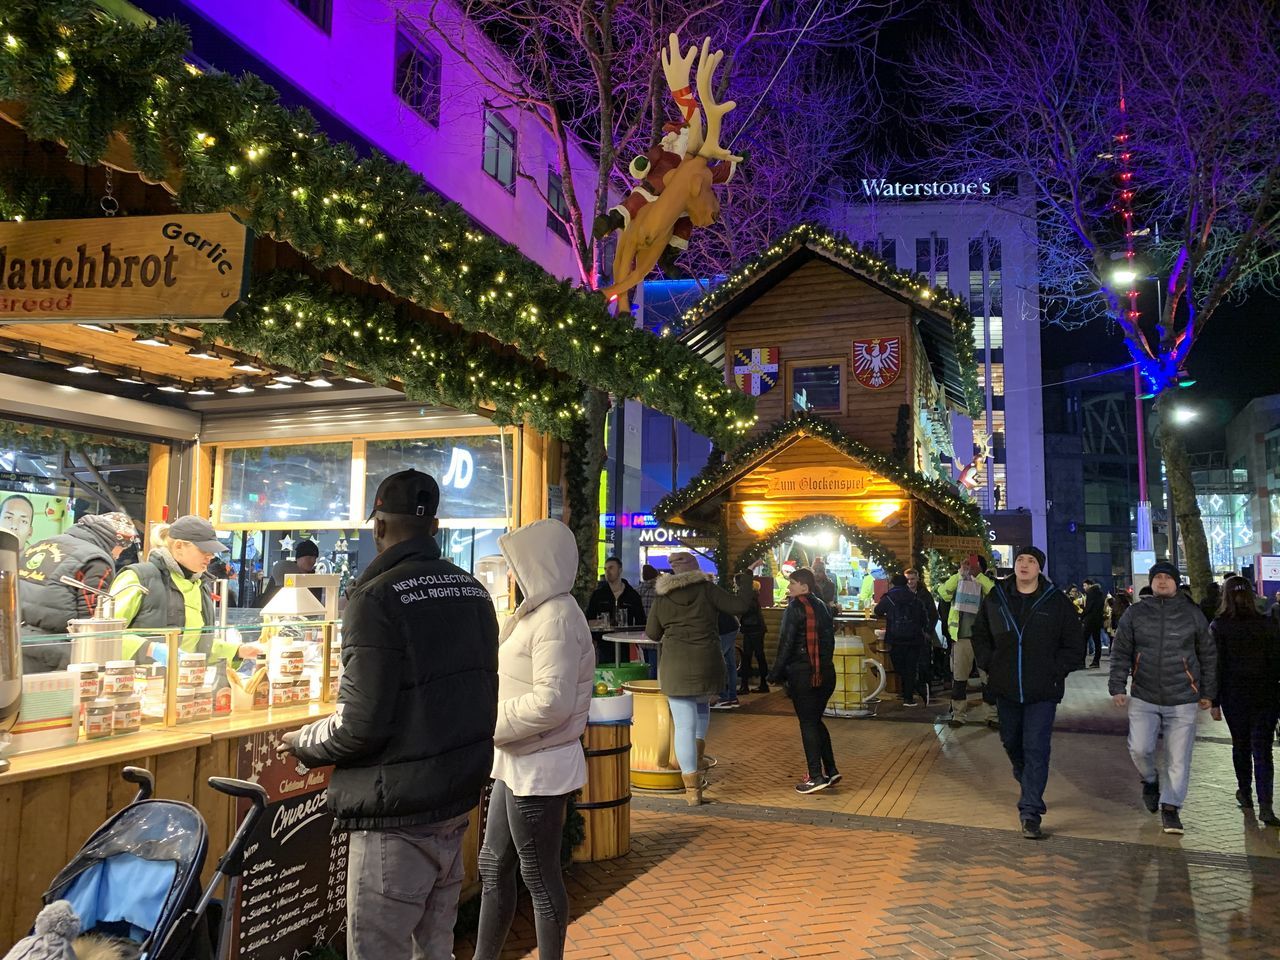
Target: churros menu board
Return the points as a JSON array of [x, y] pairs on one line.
[[292, 897]]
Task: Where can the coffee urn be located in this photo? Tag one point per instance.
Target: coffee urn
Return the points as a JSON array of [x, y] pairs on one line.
[[10, 640]]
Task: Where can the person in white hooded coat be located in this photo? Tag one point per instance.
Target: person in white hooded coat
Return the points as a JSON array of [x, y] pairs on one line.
[[546, 666]]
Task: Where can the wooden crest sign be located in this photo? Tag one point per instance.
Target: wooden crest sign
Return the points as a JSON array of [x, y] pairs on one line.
[[144, 269], [755, 369], [877, 362]]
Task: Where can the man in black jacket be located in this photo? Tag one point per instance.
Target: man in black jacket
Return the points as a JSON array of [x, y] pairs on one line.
[[1091, 620], [1027, 638], [411, 740]]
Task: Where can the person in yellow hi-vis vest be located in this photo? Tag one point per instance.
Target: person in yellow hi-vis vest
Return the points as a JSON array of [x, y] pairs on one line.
[[964, 592], [177, 594]]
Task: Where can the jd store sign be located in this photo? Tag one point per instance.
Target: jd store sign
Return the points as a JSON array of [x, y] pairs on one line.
[[180, 267]]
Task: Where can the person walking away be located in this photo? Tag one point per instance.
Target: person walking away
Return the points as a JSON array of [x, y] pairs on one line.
[[826, 591], [411, 741], [1164, 645], [178, 595], [1027, 637], [805, 663], [546, 665], [936, 665], [904, 618], [727, 628], [753, 631], [685, 619], [86, 553], [1091, 620], [963, 593], [645, 589], [1248, 691]]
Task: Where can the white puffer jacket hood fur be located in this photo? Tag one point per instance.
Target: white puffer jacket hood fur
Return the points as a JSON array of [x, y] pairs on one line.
[[546, 661]]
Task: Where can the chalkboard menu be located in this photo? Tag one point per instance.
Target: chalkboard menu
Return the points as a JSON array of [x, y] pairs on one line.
[[292, 897]]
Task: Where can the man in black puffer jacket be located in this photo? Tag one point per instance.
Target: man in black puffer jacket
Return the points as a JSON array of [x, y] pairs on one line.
[[1164, 643], [412, 738], [1027, 637]]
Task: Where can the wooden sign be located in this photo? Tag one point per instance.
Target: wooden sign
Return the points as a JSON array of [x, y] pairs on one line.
[[181, 267], [807, 482], [971, 544]]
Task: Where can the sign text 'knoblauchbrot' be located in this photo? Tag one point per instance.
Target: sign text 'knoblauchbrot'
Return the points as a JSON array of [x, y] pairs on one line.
[[182, 267]]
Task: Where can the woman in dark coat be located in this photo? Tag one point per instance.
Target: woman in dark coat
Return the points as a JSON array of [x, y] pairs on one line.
[[1248, 691], [806, 644]]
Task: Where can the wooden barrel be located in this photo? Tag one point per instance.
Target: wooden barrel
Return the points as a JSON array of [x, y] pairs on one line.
[[653, 761], [605, 802]]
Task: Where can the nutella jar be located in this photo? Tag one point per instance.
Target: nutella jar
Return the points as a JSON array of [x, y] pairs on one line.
[[117, 681], [86, 680], [191, 668], [291, 661], [281, 693], [202, 708], [128, 715], [186, 704], [99, 718], [301, 690]]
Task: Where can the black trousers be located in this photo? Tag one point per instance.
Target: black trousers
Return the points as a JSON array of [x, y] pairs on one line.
[[1093, 638], [909, 659], [809, 703], [752, 647], [1252, 729]]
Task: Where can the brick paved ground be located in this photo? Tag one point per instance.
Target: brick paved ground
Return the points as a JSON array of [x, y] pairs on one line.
[[916, 853]]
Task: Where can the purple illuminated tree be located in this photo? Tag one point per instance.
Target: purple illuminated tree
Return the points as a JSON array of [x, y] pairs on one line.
[[1181, 95]]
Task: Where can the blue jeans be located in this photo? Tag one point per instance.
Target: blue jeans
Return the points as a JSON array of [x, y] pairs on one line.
[[1025, 731], [690, 716], [728, 647], [1178, 723], [650, 655]]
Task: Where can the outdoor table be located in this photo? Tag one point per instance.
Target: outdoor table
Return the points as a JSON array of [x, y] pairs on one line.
[[620, 637]]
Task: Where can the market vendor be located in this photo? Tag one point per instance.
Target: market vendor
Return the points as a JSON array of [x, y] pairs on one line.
[[178, 594]]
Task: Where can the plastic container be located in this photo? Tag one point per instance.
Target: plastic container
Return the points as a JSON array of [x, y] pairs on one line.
[[191, 667], [89, 682], [290, 662], [118, 680], [202, 703], [99, 718], [281, 693], [301, 690], [186, 704], [128, 715]]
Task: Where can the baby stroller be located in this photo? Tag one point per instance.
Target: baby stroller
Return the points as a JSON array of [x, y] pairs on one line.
[[137, 878]]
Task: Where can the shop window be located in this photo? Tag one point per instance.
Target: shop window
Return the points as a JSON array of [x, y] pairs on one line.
[[886, 248], [816, 385], [500, 149], [557, 206], [319, 12], [286, 484], [417, 75], [469, 471], [933, 259]]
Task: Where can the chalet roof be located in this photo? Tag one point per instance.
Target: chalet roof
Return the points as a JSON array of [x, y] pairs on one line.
[[713, 480], [942, 319]]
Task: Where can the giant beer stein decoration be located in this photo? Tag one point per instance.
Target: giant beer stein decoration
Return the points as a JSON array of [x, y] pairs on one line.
[[10, 640]]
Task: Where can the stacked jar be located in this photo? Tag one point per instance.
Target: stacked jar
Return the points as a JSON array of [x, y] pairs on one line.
[[120, 686], [191, 676]]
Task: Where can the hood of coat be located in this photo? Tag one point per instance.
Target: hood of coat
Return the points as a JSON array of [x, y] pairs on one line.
[[95, 530], [543, 557], [669, 583]]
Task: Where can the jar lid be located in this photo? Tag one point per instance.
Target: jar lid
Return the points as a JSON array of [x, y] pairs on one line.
[[186, 693], [124, 703], [83, 667], [205, 691], [120, 664], [102, 703], [189, 655]]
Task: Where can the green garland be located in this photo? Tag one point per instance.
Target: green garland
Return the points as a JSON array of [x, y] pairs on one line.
[[914, 286], [870, 546], [227, 144], [38, 438], [293, 320], [939, 493]]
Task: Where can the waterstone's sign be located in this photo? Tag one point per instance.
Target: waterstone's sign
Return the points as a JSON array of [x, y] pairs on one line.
[[935, 188], [185, 266]]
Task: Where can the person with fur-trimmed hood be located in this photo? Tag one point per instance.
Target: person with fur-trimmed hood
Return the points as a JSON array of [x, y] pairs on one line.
[[1027, 637], [685, 618]]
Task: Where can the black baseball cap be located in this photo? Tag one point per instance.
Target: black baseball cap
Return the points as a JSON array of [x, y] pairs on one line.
[[409, 493], [199, 531]]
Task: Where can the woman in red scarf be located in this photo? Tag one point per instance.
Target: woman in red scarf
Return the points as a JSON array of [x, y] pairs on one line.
[[806, 642]]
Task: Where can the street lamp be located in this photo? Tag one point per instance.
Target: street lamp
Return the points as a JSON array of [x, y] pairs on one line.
[[1183, 415]]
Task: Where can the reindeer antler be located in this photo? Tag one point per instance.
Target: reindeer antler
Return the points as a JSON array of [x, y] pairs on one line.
[[676, 68], [710, 148]]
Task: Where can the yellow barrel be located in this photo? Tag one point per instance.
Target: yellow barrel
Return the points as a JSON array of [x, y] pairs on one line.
[[605, 802], [653, 746]]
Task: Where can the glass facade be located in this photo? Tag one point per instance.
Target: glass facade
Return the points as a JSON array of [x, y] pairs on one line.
[[294, 483], [986, 303]]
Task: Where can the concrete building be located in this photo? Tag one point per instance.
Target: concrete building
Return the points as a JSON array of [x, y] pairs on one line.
[[1253, 457], [381, 80], [977, 239]]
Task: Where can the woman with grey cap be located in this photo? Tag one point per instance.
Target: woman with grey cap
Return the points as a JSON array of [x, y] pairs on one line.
[[177, 594], [684, 618]]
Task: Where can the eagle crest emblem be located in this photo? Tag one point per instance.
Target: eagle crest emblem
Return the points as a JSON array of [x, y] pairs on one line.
[[877, 362]]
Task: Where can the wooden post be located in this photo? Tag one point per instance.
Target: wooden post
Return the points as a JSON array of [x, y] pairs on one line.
[[202, 480], [157, 490], [533, 475], [172, 639]]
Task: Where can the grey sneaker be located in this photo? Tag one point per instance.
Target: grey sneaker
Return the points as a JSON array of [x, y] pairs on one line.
[[1031, 830], [1169, 819]]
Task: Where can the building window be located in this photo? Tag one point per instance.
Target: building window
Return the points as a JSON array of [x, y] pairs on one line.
[[319, 12], [816, 385], [886, 248], [417, 75], [933, 259], [557, 206], [499, 149]]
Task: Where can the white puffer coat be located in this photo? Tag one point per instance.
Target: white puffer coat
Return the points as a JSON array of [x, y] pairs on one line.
[[546, 661]]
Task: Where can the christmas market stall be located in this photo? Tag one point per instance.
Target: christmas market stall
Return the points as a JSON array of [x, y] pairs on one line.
[[856, 370], [298, 322]]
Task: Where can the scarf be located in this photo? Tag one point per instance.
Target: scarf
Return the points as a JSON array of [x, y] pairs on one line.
[[811, 640]]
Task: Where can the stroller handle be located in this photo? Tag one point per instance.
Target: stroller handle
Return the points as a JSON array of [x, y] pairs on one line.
[[240, 788], [145, 780]]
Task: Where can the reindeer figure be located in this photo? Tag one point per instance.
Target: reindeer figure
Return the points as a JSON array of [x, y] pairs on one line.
[[686, 189]]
